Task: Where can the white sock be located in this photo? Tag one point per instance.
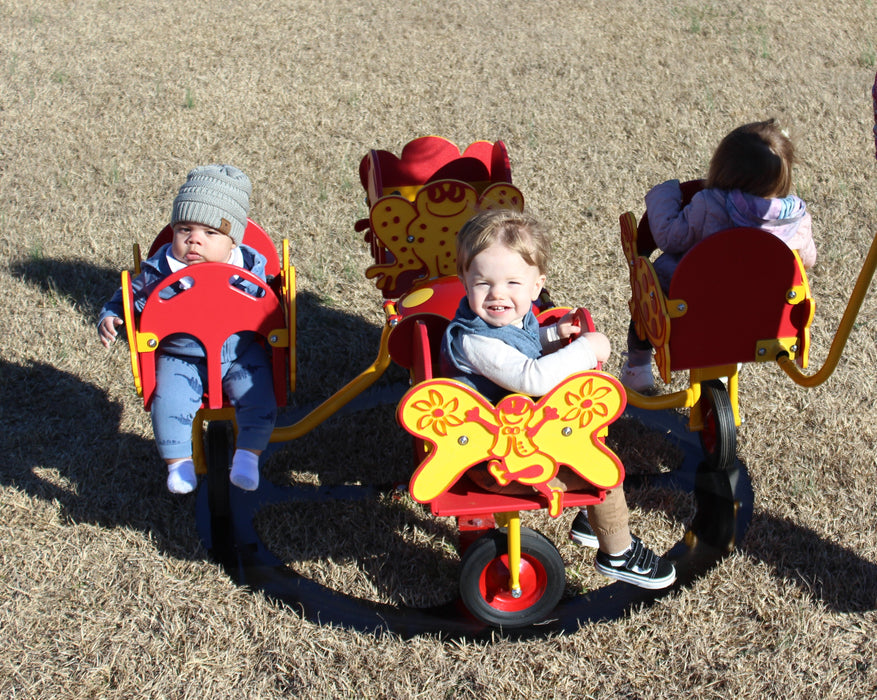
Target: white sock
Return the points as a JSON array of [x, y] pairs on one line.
[[181, 476], [245, 470], [623, 551]]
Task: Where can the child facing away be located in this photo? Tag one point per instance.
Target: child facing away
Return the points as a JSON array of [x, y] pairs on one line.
[[208, 217], [748, 184], [495, 344]]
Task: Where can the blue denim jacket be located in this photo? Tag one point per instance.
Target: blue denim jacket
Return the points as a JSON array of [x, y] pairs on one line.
[[525, 339]]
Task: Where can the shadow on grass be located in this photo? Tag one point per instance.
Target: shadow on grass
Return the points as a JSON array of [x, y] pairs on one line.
[[84, 284], [61, 438], [724, 512], [62, 443], [825, 570]]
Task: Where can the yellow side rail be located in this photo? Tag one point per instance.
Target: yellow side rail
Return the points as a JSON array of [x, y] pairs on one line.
[[287, 292], [341, 397], [844, 329], [130, 329]]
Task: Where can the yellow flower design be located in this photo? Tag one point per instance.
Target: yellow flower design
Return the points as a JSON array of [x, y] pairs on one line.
[[437, 414], [586, 404]]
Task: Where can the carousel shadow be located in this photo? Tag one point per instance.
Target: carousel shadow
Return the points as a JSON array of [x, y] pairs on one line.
[[723, 512], [64, 446], [838, 577]]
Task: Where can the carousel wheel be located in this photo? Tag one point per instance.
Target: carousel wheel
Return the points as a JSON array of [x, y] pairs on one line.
[[484, 579], [718, 438], [218, 454]]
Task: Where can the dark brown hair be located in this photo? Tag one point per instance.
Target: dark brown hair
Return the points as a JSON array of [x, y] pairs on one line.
[[756, 158]]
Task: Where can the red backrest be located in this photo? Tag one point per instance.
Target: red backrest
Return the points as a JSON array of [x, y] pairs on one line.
[[431, 158], [211, 310], [735, 286]]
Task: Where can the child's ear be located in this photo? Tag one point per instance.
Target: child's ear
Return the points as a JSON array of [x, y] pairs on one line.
[[538, 287]]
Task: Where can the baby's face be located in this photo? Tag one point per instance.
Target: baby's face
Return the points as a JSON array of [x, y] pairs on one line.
[[196, 243], [501, 285]]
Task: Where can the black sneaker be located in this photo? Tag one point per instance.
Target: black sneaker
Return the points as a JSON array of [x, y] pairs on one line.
[[581, 531], [639, 565]]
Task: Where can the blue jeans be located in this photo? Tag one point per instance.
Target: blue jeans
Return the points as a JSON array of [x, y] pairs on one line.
[[247, 383]]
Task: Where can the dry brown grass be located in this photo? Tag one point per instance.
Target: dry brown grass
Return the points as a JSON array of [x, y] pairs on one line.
[[104, 106]]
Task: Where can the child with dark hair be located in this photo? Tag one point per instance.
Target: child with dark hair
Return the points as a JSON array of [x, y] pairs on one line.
[[748, 184]]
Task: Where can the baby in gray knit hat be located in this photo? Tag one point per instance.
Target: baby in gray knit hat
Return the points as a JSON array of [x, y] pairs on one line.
[[216, 196], [209, 218]]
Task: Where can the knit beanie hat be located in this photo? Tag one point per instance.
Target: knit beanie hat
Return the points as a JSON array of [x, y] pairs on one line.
[[217, 196]]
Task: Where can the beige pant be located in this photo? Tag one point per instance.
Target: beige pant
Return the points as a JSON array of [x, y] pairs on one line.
[[609, 520]]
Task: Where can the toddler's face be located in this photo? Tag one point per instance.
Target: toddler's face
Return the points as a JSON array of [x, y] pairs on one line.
[[196, 243], [501, 285]]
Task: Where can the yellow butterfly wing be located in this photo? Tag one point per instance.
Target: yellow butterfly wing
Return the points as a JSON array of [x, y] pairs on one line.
[[436, 411], [584, 405]]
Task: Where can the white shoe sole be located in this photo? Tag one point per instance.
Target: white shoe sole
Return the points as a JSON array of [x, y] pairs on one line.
[[652, 584]]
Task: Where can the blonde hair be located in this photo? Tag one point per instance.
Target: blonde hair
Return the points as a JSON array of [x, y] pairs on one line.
[[756, 158], [520, 232]]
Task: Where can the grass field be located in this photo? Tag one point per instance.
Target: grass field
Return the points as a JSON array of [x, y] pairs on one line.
[[106, 590]]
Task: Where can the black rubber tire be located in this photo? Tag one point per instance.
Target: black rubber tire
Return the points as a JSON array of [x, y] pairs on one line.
[[718, 438], [484, 577], [218, 456]]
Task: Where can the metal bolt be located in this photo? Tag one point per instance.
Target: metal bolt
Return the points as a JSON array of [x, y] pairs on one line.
[[463, 440], [792, 294], [272, 339], [794, 348], [152, 342], [567, 431], [681, 307], [410, 239], [762, 351]]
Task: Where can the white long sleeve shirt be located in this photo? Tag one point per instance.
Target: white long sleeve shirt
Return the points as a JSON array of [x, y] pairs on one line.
[[514, 371]]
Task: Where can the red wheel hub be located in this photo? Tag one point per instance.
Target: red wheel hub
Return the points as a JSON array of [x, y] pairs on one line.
[[494, 583]]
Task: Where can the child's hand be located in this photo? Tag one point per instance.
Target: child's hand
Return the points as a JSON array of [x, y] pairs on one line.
[[580, 318], [575, 323], [107, 330], [569, 326], [600, 345]]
